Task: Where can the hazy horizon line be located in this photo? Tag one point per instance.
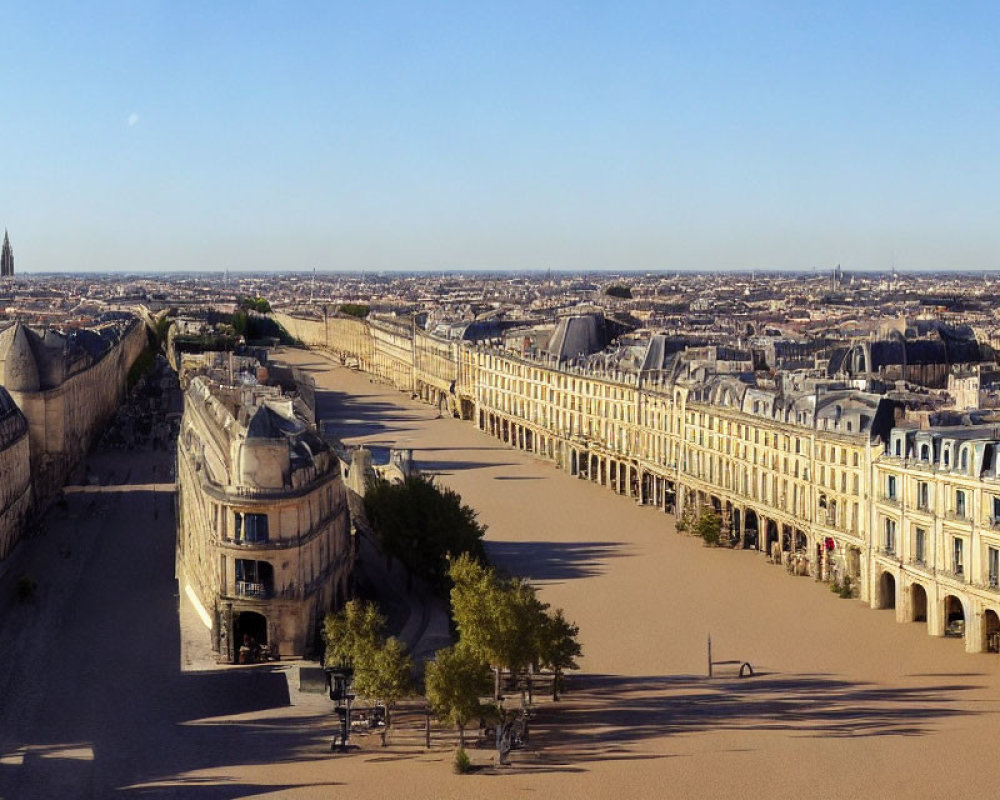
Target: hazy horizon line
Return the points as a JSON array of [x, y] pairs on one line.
[[592, 271]]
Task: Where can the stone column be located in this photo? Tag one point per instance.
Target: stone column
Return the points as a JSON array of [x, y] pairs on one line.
[[935, 612], [974, 635]]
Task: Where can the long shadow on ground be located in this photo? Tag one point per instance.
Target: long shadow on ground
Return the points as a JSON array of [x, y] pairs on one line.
[[554, 561], [349, 417], [610, 716], [432, 467], [101, 673]]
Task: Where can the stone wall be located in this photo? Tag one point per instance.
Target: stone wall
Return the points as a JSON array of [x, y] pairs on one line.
[[66, 420], [349, 338], [15, 474]]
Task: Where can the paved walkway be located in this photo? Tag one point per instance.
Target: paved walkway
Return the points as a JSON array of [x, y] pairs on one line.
[[94, 702]]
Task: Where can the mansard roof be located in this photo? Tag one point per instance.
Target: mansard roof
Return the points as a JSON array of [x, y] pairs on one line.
[[40, 359], [267, 423], [578, 335]]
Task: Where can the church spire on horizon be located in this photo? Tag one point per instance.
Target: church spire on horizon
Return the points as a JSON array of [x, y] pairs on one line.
[[6, 258]]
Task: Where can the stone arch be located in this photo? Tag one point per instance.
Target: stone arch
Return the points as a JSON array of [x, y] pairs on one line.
[[954, 616], [991, 631], [918, 603], [773, 535], [249, 629], [886, 590], [751, 524]]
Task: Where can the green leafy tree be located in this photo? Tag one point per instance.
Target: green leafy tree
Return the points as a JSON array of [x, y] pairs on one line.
[[258, 304], [455, 680], [422, 524], [558, 647], [355, 310], [708, 526], [383, 671], [498, 620], [384, 674], [353, 633], [620, 291]]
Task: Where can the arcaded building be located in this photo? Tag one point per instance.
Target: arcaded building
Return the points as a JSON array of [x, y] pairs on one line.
[[264, 546], [819, 470]]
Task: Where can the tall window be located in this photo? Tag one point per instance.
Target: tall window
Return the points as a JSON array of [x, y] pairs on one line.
[[993, 562], [890, 488], [251, 528], [919, 545], [923, 496], [889, 540], [960, 503], [996, 509], [957, 556]]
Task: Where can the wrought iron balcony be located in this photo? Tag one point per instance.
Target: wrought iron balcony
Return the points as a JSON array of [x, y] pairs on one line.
[[250, 589]]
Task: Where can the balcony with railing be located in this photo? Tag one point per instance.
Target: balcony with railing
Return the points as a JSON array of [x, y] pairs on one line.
[[253, 589]]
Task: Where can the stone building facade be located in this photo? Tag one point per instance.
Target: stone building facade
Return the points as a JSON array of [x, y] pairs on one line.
[[264, 545], [799, 473], [15, 475], [66, 387]]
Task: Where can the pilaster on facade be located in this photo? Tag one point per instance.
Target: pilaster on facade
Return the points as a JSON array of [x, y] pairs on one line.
[[810, 492]]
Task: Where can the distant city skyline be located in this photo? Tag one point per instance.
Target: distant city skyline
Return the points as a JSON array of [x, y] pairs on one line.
[[521, 136]]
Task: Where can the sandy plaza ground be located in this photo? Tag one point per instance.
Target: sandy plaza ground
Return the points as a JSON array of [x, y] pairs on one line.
[[846, 703]]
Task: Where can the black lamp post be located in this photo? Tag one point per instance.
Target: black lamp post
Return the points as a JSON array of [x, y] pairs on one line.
[[338, 682]]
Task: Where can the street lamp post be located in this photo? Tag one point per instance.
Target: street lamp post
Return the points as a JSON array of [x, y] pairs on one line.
[[338, 682]]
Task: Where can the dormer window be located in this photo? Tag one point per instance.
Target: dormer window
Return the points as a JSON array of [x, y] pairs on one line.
[[964, 461]]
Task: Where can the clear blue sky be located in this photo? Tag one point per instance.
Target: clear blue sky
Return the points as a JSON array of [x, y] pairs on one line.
[[413, 135]]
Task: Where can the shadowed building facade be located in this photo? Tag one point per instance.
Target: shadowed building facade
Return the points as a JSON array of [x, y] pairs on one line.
[[59, 390], [15, 477], [68, 385]]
